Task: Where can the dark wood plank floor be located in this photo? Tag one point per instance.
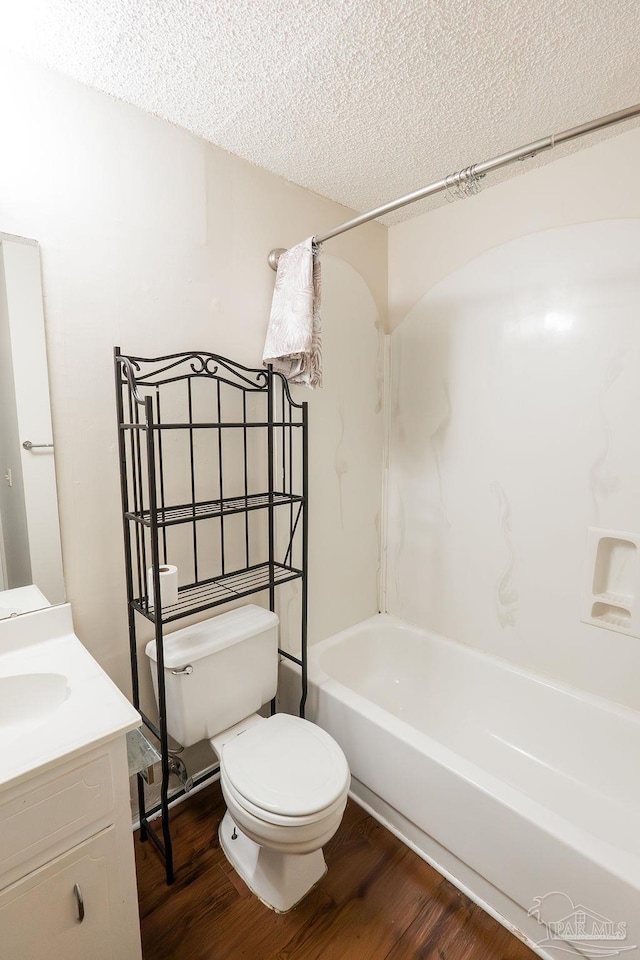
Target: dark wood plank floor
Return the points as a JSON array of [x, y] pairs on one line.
[[379, 901]]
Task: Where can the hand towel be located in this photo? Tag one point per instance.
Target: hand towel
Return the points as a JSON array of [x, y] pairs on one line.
[[293, 344]]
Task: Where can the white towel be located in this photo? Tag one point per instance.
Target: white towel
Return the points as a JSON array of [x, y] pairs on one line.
[[293, 343]]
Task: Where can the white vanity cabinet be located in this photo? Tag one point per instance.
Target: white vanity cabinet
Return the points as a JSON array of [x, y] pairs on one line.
[[67, 873], [67, 870]]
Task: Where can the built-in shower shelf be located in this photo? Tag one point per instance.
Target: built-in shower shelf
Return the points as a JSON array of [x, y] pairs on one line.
[[611, 614], [614, 599], [612, 581], [208, 509]]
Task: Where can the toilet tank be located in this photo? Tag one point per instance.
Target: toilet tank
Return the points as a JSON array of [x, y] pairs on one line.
[[234, 661]]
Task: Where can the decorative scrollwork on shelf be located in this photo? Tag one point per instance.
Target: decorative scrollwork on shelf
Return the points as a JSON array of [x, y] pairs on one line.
[[149, 372], [129, 367]]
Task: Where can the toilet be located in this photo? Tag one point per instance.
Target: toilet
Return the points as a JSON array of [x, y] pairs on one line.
[[284, 780]]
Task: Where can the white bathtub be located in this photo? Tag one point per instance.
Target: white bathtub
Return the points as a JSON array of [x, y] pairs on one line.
[[514, 786]]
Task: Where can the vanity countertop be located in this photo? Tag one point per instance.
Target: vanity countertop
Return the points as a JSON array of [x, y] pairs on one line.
[[55, 699]]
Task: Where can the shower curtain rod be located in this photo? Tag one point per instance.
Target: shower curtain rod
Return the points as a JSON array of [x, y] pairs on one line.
[[473, 173]]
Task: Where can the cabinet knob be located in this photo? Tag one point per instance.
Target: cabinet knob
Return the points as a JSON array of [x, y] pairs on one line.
[[79, 901]]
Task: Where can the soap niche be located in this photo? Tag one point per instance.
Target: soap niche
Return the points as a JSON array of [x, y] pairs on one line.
[[612, 580]]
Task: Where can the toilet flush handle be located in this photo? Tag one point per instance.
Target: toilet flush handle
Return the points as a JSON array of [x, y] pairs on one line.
[[183, 671]]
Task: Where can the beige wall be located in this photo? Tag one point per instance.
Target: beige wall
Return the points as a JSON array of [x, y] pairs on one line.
[[156, 241], [513, 411]]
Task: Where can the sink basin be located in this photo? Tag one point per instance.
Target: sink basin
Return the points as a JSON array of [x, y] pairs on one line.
[[30, 698], [55, 700]]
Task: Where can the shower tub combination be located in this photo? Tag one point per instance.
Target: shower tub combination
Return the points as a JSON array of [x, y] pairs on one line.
[[522, 791]]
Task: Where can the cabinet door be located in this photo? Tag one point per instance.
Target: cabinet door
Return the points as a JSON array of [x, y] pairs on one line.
[[41, 915], [38, 818]]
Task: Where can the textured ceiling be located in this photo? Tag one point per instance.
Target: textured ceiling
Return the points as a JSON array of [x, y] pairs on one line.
[[358, 100]]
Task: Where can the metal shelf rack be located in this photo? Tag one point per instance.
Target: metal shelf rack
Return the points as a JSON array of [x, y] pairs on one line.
[[214, 478]]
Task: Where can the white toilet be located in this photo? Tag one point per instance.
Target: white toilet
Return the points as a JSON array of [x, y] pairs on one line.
[[285, 780]]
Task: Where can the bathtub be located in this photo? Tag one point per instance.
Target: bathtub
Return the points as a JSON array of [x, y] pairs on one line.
[[523, 791]]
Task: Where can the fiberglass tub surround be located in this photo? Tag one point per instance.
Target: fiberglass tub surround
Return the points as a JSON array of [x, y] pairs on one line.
[[514, 466], [527, 782], [513, 430]]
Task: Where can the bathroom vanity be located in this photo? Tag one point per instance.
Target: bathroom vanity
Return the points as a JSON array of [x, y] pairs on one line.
[[67, 872]]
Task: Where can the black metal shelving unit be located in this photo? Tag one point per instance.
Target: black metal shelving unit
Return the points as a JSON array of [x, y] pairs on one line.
[[214, 478]]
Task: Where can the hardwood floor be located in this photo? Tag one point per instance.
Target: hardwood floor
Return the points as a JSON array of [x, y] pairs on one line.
[[379, 901]]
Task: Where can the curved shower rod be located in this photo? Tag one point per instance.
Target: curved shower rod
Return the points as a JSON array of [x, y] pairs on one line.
[[473, 173]]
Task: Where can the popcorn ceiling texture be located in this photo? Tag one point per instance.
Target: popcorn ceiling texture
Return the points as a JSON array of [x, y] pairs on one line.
[[358, 100]]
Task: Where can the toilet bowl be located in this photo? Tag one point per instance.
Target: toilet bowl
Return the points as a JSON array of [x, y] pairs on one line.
[[284, 780]]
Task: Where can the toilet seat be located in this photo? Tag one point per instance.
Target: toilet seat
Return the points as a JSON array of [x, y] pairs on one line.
[[290, 838], [286, 772], [279, 819]]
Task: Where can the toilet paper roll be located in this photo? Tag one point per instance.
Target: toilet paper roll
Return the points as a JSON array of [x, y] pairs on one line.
[[168, 585]]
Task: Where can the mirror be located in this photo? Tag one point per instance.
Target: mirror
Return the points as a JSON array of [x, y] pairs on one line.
[[30, 553]]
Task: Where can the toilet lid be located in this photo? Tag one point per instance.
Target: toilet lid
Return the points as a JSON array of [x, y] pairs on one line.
[[286, 765]]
